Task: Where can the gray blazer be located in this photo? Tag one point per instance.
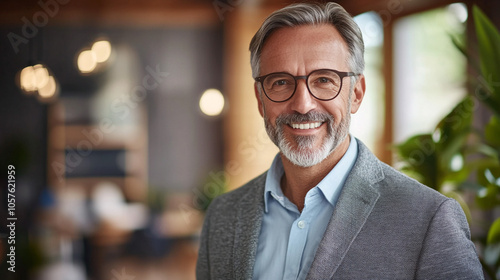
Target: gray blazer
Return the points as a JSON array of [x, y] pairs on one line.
[[385, 226]]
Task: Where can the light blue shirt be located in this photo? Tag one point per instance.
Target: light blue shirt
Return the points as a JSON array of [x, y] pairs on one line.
[[288, 238]]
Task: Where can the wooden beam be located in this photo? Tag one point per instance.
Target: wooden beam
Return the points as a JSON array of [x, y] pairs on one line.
[[392, 8], [384, 151], [249, 151], [109, 12]]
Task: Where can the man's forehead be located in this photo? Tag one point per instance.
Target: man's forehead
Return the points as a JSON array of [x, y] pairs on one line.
[[321, 43]]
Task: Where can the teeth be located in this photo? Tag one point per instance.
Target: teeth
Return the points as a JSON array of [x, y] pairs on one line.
[[306, 125]]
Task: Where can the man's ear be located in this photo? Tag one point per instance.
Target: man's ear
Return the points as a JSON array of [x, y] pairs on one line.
[[358, 94], [259, 100]]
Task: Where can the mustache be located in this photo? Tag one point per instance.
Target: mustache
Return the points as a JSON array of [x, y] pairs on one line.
[[312, 116]]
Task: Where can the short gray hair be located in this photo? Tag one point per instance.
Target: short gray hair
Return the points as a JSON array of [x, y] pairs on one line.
[[312, 14]]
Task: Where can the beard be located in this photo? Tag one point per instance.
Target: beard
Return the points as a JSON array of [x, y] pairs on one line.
[[300, 149]]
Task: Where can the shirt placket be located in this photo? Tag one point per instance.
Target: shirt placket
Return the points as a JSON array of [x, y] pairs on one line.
[[298, 237]]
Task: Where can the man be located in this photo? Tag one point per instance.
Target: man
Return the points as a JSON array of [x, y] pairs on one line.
[[327, 208]]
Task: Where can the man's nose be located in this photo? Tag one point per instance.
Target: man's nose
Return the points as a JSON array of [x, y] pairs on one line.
[[302, 101]]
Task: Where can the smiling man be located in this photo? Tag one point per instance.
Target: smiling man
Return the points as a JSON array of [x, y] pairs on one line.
[[327, 208]]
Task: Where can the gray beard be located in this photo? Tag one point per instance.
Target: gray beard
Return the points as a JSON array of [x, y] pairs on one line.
[[305, 155]]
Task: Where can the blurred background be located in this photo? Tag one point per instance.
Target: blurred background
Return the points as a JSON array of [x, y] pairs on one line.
[[124, 119]]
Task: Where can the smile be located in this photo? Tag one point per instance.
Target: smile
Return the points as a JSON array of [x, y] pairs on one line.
[[306, 125]]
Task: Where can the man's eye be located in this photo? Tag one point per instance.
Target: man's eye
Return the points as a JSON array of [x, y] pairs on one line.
[[280, 82], [324, 80]]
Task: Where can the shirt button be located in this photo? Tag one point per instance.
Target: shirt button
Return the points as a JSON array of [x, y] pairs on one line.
[[301, 224]]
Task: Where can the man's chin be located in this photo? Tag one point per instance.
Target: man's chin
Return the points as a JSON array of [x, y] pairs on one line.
[[304, 157]]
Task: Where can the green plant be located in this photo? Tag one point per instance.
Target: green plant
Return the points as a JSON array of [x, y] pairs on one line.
[[437, 159], [458, 156], [487, 167]]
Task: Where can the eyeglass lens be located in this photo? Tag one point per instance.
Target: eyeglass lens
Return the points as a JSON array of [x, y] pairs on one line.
[[323, 84]]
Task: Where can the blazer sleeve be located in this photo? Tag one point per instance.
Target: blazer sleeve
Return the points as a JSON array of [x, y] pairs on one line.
[[447, 251]]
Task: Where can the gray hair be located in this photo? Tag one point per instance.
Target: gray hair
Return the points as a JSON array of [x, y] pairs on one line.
[[312, 14]]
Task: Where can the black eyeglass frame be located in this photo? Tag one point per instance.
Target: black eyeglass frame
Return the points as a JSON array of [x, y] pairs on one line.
[[341, 74]]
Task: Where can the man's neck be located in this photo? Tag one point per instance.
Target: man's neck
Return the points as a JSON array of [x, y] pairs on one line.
[[297, 181]]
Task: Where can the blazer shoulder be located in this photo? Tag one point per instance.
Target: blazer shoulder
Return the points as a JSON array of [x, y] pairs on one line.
[[399, 184], [390, 182], [397, 176], [249, 191]]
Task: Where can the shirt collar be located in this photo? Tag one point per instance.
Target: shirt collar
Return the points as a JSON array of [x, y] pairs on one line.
[[333, 182], [330, 186], [273, 179]]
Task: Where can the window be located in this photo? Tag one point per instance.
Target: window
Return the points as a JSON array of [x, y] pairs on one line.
[[368, 122], [429, 71]]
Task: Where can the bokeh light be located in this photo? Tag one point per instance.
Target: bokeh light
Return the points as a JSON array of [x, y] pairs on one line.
[[37, 79], [93, 59], [27, 79], [102, 50], [212, 102], [87, 61], [49, 89], [33, 78]]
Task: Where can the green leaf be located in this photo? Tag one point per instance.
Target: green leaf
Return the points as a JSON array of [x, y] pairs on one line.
[[460, 45], [489, 52], [489, 43], [457, 176], [419, 155], [453, 132], [457, 121], [492, 131], [487, 197], [485, 176], [481, 165], [494, 232]]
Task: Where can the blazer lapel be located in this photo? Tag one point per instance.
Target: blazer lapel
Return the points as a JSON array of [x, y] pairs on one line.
[[247, 230], [355, 204]]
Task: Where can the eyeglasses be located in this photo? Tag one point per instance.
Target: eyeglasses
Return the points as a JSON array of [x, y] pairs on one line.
[[323, 84]]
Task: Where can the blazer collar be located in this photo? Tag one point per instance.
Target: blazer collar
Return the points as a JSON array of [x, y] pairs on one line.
[[355, 204], [247, 229]]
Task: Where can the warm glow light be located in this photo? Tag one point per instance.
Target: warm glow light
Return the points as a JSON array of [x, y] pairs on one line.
[[92, 60], [41, 75], [38, 80], [49, 89], [28, 79], [87, 61], [102, 50], [212, 102], [32, 78]]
